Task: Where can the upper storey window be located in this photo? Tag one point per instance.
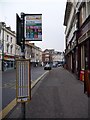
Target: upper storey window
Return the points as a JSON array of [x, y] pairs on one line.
[[82, 16]]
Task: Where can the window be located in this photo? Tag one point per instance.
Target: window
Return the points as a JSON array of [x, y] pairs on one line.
[[82, 16], [88, 4], [11, 49], [84, 12], [0, 42], [7, 37], [7, 48], [11, 39]]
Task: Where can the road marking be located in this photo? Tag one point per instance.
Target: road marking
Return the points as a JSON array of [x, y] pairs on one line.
[[12, 104], [7, 109], [37, 80], [8, 85]]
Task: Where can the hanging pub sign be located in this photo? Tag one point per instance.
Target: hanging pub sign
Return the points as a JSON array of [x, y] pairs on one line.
[[33, 27]]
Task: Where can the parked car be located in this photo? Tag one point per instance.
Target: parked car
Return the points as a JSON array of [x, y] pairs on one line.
[[59, 65], [47, 67], [54, 65]]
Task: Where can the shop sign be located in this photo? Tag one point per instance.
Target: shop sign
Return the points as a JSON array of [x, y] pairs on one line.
[[5, 58]]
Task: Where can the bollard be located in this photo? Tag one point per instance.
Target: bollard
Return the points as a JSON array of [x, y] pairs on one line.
[[87, 82]]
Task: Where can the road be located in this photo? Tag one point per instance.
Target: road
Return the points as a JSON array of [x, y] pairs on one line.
[[9, 82]]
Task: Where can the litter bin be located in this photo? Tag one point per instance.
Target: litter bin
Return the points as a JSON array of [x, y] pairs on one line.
[[87, 82]]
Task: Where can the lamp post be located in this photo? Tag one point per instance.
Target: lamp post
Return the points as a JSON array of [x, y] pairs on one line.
[[23, 56], [3, 47], [21, 42]]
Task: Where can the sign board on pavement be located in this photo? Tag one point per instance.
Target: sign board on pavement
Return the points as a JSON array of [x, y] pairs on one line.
[[23, 80]]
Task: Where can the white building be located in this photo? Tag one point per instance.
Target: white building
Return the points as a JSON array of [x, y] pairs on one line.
[[57, 56], [7, 47], [17, 51], [33, 53]]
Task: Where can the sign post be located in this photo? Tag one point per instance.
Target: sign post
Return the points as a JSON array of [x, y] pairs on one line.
[[23, 83], [28, 28], [21, 90]]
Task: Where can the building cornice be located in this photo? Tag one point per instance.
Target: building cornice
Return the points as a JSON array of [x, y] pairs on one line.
[[9, 31], [67, 12]]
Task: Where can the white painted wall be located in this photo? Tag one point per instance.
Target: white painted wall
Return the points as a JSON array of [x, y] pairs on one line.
[[11, 43], [69, 21], [57, 57]]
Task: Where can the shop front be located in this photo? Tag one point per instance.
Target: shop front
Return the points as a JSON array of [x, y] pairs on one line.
[[8, 62]]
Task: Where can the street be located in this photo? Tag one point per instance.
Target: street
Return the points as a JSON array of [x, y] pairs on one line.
[[9, 83], [58, 95], [44, 59]]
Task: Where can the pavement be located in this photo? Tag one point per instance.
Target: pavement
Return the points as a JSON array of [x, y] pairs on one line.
[[57, 95]]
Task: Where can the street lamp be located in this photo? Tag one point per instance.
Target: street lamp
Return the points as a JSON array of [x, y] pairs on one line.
[[3, 24]]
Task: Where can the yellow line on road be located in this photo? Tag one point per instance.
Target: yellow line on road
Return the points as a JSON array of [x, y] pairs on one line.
[[35, 82], [12, 104], [7, 109]]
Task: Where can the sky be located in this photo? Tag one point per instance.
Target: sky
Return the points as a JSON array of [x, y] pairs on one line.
[[53, 30]]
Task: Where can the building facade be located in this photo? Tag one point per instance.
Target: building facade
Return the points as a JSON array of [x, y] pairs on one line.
[[7, 47], [47, 56], [10, 51], [58, 57], [33, 53], [17, 51], [52, 56], [77, 35]]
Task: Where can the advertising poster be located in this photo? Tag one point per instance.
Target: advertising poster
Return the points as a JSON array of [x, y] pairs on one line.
[[33, 27]]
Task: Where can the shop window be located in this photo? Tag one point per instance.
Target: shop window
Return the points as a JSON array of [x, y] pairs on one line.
[[11, 64], [86, 55], [83, 57]]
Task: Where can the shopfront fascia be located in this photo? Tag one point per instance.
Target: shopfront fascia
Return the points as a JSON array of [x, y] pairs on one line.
[[9, 62], [84, 41]]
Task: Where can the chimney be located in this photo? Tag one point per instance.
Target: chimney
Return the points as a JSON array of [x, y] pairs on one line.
[[3, 24]]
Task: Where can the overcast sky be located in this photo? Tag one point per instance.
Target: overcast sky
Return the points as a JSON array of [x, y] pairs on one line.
[[52, 19]]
